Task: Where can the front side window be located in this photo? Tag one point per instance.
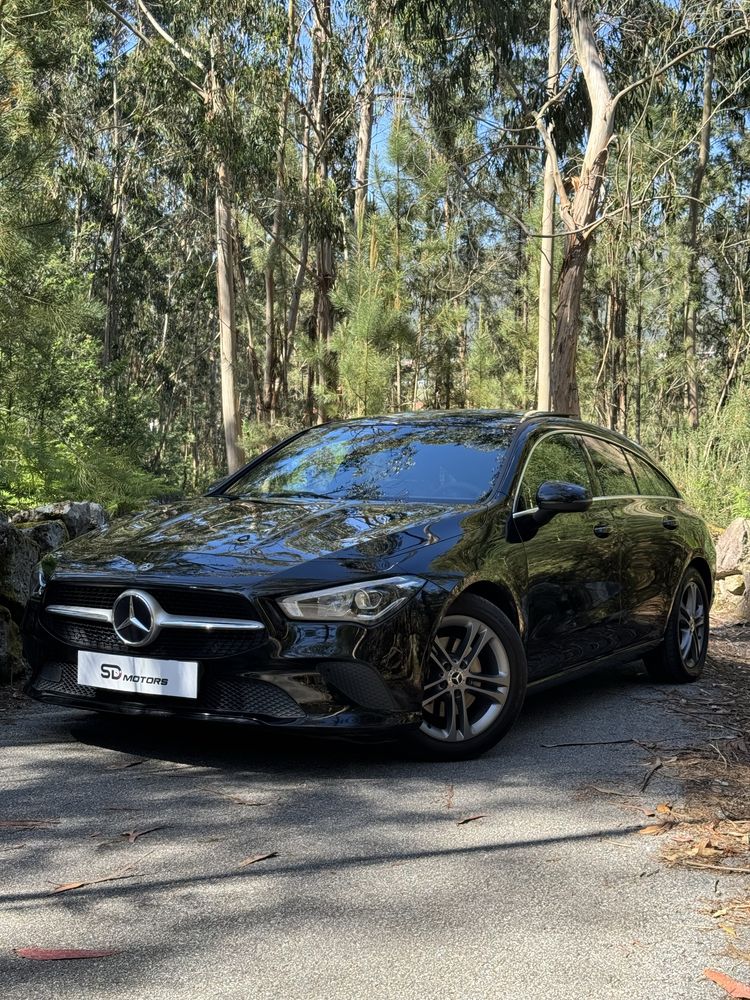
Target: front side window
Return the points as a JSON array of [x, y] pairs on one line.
[[558, 457], [449, 459], [611, 468]]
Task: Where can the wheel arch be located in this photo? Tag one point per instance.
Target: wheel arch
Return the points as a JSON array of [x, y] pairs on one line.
[[701, 564], [704, 569], [499, 595]]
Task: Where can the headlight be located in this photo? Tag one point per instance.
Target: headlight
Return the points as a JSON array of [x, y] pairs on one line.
[[357, 602], [38, 581]]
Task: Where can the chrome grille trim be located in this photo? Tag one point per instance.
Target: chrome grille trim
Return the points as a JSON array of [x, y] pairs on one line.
[[71, 611], [163, 619]]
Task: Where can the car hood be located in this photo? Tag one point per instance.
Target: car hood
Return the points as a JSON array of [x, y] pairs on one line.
[[245, 542]]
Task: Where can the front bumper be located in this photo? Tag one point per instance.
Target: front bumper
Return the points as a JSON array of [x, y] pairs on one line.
[[336, 677]]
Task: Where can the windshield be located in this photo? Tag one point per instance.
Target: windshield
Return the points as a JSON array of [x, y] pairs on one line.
[[456, 459]]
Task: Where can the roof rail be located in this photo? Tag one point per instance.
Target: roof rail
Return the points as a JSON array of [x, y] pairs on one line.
[[543, 413]]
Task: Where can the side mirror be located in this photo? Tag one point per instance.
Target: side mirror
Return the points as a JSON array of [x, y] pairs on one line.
[[559, 498]]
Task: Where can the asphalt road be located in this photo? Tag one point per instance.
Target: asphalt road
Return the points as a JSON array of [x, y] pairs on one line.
[[376, 890]]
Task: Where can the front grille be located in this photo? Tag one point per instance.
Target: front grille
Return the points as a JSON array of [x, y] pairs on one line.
[[174, 600], [173, 644], [218, 694]]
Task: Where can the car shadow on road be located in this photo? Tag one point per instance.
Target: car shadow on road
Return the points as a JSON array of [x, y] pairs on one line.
[[232, 747]]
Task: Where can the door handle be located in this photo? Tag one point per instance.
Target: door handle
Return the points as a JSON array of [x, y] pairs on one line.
[[670, 522], [602, 530]]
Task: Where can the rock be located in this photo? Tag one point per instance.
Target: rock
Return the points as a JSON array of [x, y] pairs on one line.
[[11, 659], [19, 555], [77, 516], [733, 549], [46, 535], [734, 584]]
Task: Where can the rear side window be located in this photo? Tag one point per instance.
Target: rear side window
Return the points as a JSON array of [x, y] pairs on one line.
[[557, 457], [651, 483], [611, 468]]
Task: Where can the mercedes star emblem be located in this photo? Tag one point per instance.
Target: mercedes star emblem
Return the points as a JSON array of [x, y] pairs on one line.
[[135, 618]]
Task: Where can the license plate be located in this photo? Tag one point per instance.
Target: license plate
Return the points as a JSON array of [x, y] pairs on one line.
[[138, 674]]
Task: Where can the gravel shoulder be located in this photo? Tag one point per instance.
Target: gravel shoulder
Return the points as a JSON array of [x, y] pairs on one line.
[[376, 887]]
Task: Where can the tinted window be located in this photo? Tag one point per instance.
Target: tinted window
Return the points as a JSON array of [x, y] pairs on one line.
[[558, 457], [448, 459], [612, 469], [651, 483]]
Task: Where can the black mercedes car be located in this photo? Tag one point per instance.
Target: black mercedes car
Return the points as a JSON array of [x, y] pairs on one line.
[[409, 574]]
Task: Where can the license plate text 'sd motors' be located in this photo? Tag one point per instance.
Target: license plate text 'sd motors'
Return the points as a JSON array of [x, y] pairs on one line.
[[138, 674]]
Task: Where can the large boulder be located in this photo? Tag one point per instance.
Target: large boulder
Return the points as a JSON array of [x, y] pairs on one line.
[[46, 535], [11, 659], [19, 554], [733, 549], [732, 605], [77, 516]]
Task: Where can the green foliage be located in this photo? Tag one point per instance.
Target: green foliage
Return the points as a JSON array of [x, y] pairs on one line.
[[712, 464], [49, 469], [258, 437], [109, 155]]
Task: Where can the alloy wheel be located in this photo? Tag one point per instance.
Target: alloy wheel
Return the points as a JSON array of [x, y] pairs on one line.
[[467, 682], [692, 625]]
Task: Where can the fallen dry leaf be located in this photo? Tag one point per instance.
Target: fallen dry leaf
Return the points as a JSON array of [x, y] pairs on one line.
[[57, 954], [654, 829], [133, 835], [449, 794], [69, 886], [726, 869], [609, 791], [240, 800], [470, 819], [255, 858], [732, 986], [130, 763], [588, 743], [707, 850], [664, 809], [27, 824], [650, 773]]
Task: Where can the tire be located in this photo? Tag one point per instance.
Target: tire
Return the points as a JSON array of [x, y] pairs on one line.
[[475, 682], [682, 654]]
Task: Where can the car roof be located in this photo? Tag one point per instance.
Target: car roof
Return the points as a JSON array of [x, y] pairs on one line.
[[523, 425], [530, 419], [432, 416]]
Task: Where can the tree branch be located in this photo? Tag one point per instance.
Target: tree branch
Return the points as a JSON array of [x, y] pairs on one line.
[[661, 70], [169, 39]]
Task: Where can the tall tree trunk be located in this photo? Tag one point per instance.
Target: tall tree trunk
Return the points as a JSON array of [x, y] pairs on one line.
[[111, 321], [579, 215], [324, 249], [638, 346], [366, 117], [256, 370], [227, 320], [225, 298], [304, 243], [547, 242], [270, 361], [693, 285], [618, 327]]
